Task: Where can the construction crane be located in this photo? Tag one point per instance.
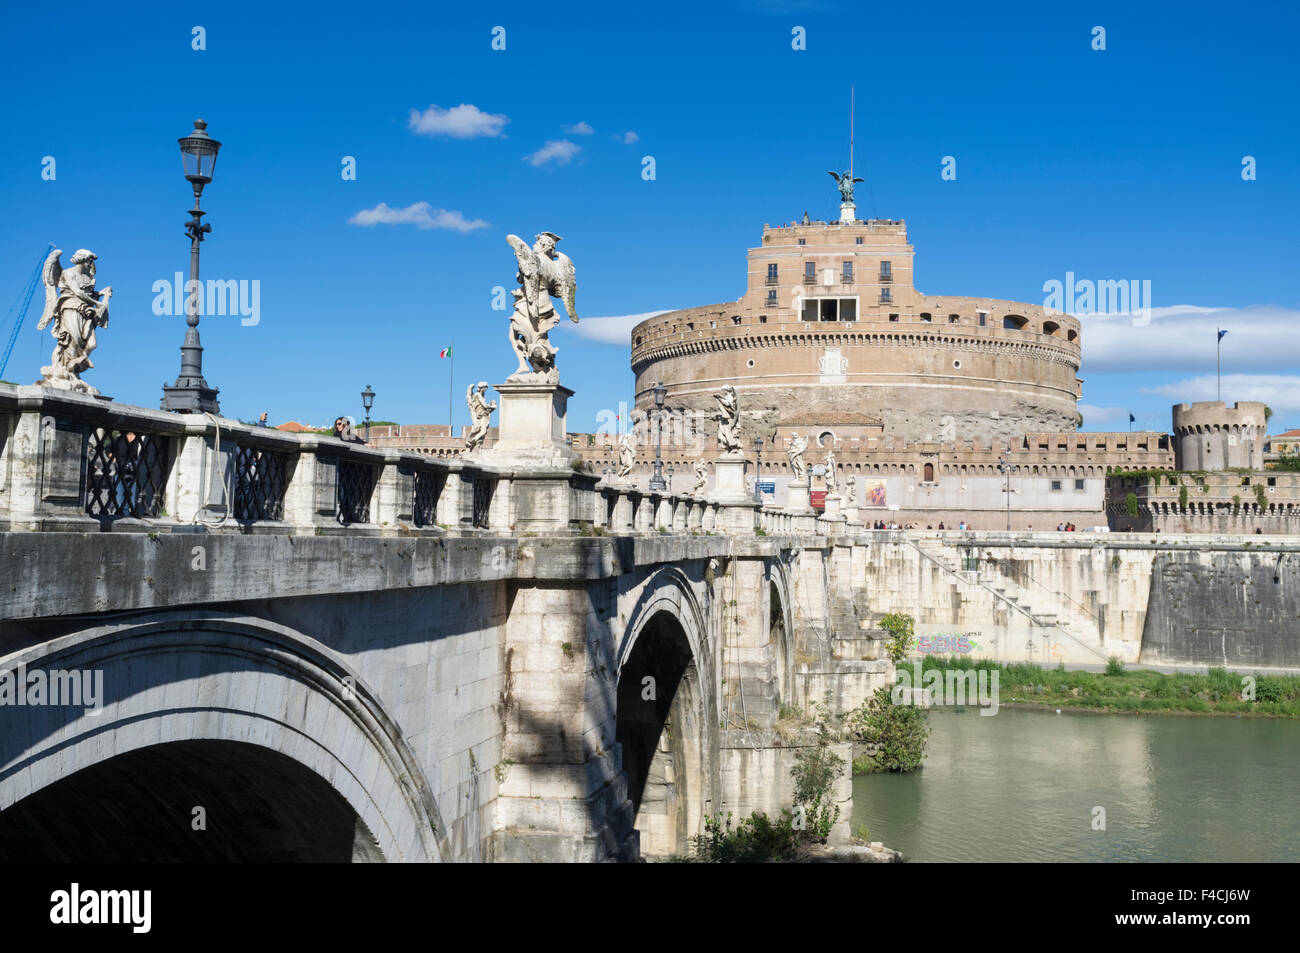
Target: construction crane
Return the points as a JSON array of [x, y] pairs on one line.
[[21, 305]]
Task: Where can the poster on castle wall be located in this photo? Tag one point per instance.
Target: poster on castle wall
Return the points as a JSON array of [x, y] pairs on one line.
[[875, 492]]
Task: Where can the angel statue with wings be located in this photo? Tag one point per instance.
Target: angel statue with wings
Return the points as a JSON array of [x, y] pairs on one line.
[[73, 310], [795, 451], [480, 412], [543, 273], [701, 477], [728, 415], [845, 181]]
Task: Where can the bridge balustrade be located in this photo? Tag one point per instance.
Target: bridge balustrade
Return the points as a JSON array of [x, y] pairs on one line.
[[70, 462]]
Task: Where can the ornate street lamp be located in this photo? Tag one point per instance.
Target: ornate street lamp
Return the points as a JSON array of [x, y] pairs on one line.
[[191, 393], [657, 479], [670, 478], [758, 469], [367, 401]]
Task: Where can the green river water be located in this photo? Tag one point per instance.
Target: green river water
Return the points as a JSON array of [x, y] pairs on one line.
[[1021, 786]]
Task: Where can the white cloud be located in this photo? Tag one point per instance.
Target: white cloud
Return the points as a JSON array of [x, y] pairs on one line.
[[628, 138], [579, 129], [422, 215], [465, 121], [1104, 418], [560, 151], [1279, 391], [1182, 338], [613, 330]]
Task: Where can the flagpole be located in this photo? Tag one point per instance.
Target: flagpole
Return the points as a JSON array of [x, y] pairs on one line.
[[451, 386], [1218, 360]]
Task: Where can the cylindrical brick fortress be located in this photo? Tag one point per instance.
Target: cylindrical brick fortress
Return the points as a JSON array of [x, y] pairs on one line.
[[831, 326]]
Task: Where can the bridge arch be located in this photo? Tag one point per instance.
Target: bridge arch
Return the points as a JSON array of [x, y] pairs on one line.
[[781, 628], [181, 691], [666, 716]]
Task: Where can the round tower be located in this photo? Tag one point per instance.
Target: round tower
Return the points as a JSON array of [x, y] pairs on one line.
[[1208, 435]]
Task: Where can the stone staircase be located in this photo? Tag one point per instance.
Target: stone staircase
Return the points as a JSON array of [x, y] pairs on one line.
[[1059, 621]]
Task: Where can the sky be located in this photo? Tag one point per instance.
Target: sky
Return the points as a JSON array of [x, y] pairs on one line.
[[1122, 163]]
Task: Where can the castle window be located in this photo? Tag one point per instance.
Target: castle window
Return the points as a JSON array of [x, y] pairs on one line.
[[886, 271], [771, 297], [848, 309], [802, 242], [925, 316], [762, 319], [771, 270], [885, 296], [847, 275], [1078, 486], [928, 476], [984, 315], [858, 241], [953, 319], [735, 319], [810, 272], [1014, 322], [893, 317], [1056, 486]]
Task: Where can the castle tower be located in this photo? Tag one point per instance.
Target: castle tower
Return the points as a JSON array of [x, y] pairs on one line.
[[1210, 436]]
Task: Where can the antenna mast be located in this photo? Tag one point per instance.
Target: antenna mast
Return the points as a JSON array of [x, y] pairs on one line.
[[850, 133]]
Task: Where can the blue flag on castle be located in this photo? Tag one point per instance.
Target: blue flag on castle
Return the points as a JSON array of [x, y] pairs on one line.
[[1131, 418], [1221, 334]]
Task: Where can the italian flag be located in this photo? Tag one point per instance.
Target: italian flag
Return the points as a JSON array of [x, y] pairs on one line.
[[445, 352]]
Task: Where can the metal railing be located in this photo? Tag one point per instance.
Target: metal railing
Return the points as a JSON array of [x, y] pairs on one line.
[[261, 479], [126, 473]]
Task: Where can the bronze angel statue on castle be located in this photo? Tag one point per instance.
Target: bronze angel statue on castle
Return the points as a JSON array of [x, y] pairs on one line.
[[73, 310], [543, 273]]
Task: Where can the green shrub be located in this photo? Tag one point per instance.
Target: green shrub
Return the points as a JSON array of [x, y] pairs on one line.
[[758, 839], [1114, 665], [815, 772], [1131, 504], [1269, 689], [901, 628], [899, 731]]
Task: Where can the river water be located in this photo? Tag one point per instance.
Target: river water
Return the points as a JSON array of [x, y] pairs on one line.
[[1022, 785]]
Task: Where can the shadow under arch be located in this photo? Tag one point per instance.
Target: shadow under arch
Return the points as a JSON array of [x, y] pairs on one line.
[[781, 629], [213, 677], [666, 716]]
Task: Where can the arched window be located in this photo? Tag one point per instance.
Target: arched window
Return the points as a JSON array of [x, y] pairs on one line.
[[929, 473]]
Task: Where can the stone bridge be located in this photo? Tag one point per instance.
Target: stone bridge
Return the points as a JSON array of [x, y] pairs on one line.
[[368, 658], [223, 642]]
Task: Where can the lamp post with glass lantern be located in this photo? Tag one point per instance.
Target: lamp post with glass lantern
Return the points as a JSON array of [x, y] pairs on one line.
[[191, 393], [657, 479], [758, 469], [367, 401]]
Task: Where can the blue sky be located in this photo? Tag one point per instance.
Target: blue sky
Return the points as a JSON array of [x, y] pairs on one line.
[[1116, 164]]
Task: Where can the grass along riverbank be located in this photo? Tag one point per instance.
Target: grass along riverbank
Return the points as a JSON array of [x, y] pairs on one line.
[[1217, 691]]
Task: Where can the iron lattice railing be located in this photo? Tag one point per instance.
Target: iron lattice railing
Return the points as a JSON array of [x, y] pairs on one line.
[[261, 477], [428, 487], [482, 502], [355, 485], [126, 473]]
